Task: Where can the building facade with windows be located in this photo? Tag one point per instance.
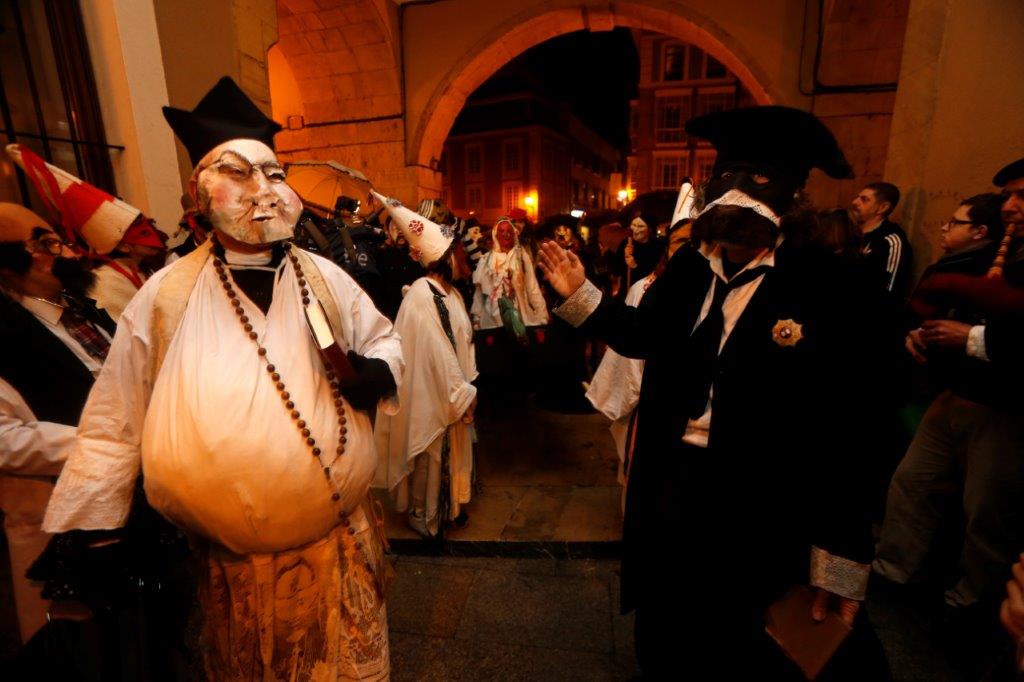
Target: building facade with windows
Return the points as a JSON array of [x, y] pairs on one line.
[[525, 151], [677, 81]]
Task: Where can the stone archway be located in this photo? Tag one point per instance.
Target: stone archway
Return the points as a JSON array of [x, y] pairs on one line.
[[518, 33], [377, 86]]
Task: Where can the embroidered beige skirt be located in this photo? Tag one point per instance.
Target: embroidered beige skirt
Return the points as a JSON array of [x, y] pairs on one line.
[[312, 613]]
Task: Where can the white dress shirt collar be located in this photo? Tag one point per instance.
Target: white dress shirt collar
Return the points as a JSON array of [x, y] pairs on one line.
[[713, 252], [44, 310]]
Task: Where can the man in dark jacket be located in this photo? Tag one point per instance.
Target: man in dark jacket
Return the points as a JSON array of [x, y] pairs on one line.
[[970, 443], [885, 247], [749, 462], [52, 344]]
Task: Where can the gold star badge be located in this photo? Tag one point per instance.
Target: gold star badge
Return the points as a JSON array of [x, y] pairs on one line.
[[787, 332]]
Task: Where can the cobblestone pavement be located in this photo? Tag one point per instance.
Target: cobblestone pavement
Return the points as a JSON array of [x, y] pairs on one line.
[[478, 618], [496, 619]]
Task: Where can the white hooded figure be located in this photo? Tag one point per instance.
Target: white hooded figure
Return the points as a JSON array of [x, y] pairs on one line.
[[507, 272], [426, 450]]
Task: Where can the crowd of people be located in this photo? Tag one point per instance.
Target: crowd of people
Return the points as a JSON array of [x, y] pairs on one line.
[[188, 436]]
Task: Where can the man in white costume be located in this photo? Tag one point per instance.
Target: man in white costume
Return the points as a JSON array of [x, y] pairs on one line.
[[426, 450], [506, 284], [247, 439]]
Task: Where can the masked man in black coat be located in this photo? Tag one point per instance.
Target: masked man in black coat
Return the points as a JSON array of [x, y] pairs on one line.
[[751, 473]]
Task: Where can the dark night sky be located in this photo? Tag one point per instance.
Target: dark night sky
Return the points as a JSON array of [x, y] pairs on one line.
[[596, 72]]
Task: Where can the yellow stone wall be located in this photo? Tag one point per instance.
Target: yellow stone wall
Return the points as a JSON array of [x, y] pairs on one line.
[[959, 111]]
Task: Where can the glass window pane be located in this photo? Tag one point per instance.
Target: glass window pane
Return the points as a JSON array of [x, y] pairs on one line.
[[674, 58], [14, 73]]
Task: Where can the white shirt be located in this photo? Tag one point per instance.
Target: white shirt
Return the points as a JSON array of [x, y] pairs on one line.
[[584, 301], [221, 455], [29, 447], [735, 303]]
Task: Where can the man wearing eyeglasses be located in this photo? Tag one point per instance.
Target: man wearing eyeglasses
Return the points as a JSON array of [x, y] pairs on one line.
[[52, 344], [969, 447]]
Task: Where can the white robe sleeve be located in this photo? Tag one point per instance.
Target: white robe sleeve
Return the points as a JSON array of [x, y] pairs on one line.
[[615, 388], [29, 447], [366, 330], [95, 488]]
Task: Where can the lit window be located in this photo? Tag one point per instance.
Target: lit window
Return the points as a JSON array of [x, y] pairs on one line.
[[671, 114], [712, 102], [705, 162], [668, 171], [674, 61], [511, 193]]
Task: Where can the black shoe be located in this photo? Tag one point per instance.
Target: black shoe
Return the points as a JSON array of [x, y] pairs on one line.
[[462, 520]]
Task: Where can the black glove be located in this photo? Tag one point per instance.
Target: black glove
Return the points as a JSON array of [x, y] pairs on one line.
[[374, 382]]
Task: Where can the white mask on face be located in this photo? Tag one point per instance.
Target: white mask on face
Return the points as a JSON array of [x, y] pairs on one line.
[[640, 230], [242, 192]]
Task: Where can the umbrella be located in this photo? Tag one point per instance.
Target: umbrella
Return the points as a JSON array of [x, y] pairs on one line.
[[321, 183]]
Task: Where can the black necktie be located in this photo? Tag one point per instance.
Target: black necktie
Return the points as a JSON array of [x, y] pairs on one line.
[[707, 338]]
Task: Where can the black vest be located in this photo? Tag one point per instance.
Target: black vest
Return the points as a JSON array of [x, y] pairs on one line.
[[51, 379]]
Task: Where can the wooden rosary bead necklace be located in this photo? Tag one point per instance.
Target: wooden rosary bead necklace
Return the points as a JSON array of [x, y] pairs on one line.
[[227, 282]]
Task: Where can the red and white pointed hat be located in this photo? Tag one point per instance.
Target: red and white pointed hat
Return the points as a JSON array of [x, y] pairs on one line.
[[428, 241], [83, 210]]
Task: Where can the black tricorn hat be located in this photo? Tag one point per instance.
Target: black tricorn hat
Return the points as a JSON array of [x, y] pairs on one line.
[[789, 140], [1010, 171], [224, 113]]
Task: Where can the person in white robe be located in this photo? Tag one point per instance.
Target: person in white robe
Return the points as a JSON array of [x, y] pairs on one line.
[[614, 390], [426, 450], [507, 272], [247, 439]]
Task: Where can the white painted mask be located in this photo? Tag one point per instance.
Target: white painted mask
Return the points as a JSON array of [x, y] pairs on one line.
[[241, 189], [640, 229]]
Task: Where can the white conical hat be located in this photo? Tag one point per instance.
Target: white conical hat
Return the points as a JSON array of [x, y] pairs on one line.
[[684, 203], [99, 218], [428, 241]]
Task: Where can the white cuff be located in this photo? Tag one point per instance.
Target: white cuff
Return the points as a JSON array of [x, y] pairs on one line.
[[976, 343], [838, 575], [578, 307]]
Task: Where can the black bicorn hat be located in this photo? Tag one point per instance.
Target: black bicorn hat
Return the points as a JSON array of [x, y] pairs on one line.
[[1008, 173], [791, 141], [224, 113]]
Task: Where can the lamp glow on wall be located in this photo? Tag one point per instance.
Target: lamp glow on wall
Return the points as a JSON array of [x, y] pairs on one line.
[[531, 202], [623, 196]]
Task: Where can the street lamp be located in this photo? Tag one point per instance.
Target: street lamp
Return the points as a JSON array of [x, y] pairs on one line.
[[531, 201]]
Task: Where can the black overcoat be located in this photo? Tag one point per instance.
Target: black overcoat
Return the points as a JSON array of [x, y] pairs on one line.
[[788, 464]]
